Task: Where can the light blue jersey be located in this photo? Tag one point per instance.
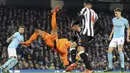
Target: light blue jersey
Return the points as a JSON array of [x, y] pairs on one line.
[[119, 27], [17, 38]]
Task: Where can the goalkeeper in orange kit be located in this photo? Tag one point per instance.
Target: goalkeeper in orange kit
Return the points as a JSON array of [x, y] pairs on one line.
[[60, 45]]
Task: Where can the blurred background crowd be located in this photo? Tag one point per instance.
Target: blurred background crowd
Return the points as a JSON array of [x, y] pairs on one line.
[[40, 56]]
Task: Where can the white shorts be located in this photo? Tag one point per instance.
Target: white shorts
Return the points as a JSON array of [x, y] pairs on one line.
[[116, 41], [12, 52]]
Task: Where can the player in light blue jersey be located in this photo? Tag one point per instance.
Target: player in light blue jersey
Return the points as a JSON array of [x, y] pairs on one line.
[[118, 33], [14, 40]]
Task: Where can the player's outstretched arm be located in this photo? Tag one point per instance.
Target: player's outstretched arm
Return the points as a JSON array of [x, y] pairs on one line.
[[128, 30], [24, 46], [11, 37], [110, 37], [78, 19], [94, 18]]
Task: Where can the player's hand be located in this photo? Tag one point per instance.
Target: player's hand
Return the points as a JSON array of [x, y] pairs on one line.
[[24, 46], [110, 37], [22, 43]]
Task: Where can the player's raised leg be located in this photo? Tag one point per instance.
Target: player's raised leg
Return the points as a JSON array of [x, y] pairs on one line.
[[54, 31], [53, 20], [34, 36], [31, 39], [55, 9], [44, 35]]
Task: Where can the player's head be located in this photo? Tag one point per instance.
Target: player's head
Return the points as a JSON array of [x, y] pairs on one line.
[[117, 12], [76, 28], [21, 29], [88, 4]]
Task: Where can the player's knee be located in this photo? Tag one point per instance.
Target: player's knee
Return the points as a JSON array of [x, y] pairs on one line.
[[80, 48], [38, 31], [120, 50], [120, 47], [13, 57], [110, 50]]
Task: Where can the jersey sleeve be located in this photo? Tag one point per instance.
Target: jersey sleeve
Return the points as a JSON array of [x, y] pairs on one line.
[[83, 11], [126, 24], [23, 39], [113, 22], [96, 17], [15, 34]]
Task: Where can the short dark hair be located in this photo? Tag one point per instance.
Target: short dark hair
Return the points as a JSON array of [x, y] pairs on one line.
[[118, 9], [21, 26], [88, 2]]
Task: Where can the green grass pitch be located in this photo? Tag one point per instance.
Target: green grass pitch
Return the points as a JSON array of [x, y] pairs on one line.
[[72, 72]]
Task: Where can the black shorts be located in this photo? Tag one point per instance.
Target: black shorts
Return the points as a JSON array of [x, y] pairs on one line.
[[85, 41]]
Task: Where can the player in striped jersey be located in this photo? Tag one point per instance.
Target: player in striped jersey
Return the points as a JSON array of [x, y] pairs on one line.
[[88, 17]]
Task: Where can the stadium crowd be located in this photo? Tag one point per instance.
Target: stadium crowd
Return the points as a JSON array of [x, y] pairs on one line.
[[40, 56]]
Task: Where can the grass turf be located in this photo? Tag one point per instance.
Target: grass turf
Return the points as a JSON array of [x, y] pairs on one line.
[[111, 72], [72, 72]]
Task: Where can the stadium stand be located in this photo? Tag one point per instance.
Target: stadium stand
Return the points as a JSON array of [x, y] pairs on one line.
[[38, 55]]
